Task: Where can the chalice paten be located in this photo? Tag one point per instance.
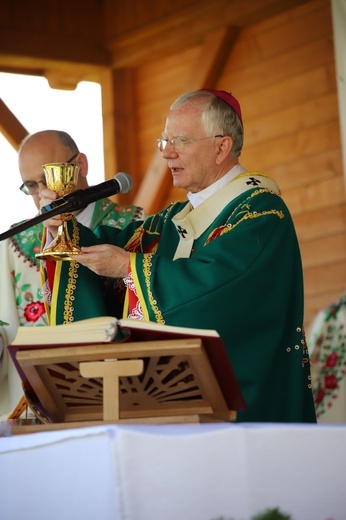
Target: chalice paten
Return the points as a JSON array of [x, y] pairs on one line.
[[61, 178]]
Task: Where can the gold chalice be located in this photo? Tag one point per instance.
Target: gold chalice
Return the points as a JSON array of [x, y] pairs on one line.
[[61, 178]]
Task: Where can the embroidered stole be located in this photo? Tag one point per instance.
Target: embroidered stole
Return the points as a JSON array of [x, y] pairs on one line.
[[190, 223]]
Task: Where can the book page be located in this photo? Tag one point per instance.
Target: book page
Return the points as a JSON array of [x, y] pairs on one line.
[[150, 325], [92, 330]]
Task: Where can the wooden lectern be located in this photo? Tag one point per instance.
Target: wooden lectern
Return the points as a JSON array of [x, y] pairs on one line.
[[160, 377]]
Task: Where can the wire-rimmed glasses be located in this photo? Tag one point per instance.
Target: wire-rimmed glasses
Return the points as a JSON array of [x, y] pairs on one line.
[[33, 187], [178, 143]]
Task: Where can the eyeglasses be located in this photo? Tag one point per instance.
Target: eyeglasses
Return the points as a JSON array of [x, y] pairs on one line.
[[178, 143], [33, 187]]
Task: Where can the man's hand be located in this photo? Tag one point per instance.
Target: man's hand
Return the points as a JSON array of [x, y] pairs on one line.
[[105, 260], [52, 224]]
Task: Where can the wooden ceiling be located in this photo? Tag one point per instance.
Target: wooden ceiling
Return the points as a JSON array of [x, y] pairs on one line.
[[80, 37], [68, 41]]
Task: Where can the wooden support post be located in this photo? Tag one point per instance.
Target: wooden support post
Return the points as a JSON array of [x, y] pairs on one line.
[[110, 371]]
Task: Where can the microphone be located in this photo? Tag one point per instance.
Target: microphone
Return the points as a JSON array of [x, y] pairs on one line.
[[80, 199]]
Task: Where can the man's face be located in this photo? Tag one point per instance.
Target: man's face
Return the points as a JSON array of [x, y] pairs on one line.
[[31, 160], [192, 164]]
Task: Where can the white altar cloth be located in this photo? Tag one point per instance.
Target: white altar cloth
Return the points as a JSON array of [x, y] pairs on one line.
[[175, 472]]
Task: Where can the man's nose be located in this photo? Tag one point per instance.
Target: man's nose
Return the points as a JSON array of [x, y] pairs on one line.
[[168, 151], [41, 185]]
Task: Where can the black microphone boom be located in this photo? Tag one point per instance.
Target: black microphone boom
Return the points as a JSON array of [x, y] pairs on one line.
[[121, 183], [79, 199]]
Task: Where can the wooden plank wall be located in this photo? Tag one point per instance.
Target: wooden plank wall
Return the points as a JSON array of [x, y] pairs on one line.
[[283, 73]]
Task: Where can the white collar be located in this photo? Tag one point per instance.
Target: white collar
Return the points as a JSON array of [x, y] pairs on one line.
[[85, 216], [197, 198]]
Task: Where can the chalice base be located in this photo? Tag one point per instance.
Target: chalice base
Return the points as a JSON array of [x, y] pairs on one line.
[[61, 248], [55, 254]]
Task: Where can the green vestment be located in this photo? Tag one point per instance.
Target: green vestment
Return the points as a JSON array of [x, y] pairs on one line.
[[243, 278], [60, 297]]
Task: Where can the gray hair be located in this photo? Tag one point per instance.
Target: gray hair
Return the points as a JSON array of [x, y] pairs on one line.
[[217, 117]]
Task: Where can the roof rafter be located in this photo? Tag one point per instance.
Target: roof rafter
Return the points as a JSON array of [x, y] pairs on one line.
[[215, 49]]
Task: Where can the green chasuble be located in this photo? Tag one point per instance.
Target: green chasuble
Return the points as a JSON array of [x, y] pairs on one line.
[[60, 297], [242, 278]]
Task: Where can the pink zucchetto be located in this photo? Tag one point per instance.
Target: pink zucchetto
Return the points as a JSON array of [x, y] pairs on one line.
[[228, 98]]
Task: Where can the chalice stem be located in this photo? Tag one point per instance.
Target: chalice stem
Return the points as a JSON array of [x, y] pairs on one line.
[[61, 178]]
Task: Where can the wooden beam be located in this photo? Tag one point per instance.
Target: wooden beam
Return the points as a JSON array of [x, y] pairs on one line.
[[214, 53], [188, 26], [153, 187], [205, 74], [11, 127], [70, 73], [118, 110], [107, 93], [53, 47]]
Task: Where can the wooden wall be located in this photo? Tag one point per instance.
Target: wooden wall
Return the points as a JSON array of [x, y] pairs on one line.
[[145, 54], [283, 73], [288, 93]]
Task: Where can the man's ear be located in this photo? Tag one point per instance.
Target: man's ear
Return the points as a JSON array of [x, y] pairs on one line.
[[224, 147], [82, 182], [83, 165]]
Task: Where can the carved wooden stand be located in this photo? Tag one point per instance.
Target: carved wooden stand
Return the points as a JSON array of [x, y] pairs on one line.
[[166, 381]]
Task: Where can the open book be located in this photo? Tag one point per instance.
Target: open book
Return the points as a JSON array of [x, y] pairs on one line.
[[102, 329], [98, 330], [184, 369], [92, 330]]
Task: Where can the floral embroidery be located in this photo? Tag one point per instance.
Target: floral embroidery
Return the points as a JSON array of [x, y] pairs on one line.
[[328, 357], [72, 279], [46, 292], [27, 243], [137, 312], [147, 274], [107, 213], [135, 309], [134, 244], [31, 310], [69, 293], [243, 212], [130, 284]]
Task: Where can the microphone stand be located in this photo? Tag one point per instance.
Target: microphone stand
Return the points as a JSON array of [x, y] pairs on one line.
[[66, 207], [74, 201]]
